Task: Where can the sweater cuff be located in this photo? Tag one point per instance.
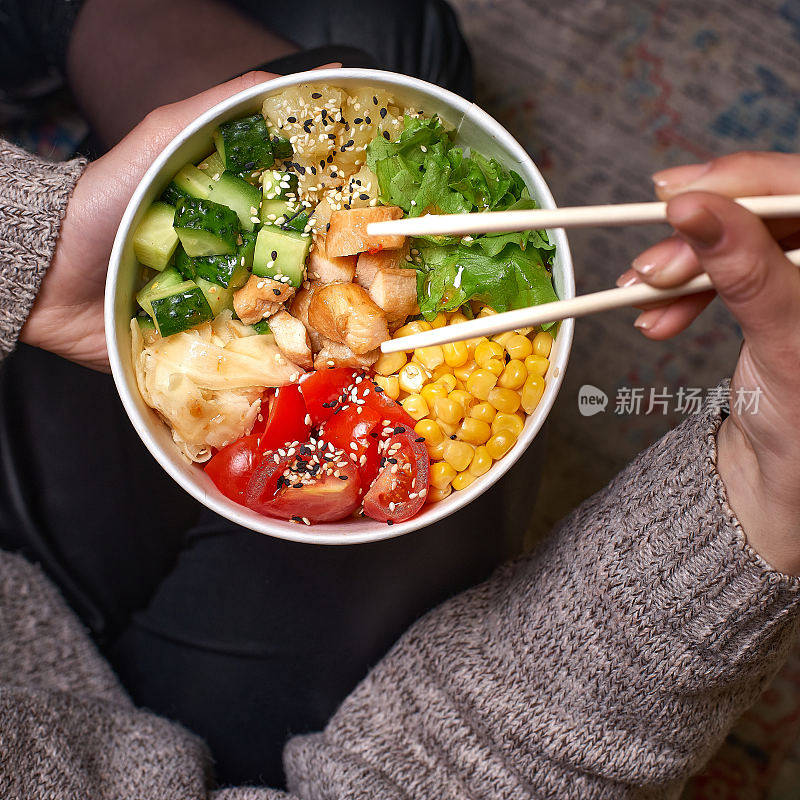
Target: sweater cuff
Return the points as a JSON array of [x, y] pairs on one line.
[[33, 200]]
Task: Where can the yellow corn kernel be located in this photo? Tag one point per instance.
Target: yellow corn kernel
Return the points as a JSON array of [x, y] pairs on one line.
[[471, 345], [439, 321], [458, 454], [433, 390], [513, 376], [412, 378], [447, 410], [430, 357], [462, 373], [448, 380], [486, 312], [430, 431], [417, 326], [457, 317], [506, 400], [455, 354], [481, 461], [480, 383], [532, 392], [435, 495], [436, 451], [536, 365], [542, 344], [524, 331], [442, 474], [390, 363], [463, 398], [415, 406], [495, 366], [390, 385], [462, 480], [484, 411], [502, 338], [508, 422], [485, 351], [519, 346], [448, 429], [437, 373], [474, 431], [500, 444]]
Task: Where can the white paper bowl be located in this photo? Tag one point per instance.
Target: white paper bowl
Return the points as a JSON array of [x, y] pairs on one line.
[[475, 128]]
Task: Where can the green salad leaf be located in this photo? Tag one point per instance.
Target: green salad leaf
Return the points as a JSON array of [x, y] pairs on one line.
[[422, 171]]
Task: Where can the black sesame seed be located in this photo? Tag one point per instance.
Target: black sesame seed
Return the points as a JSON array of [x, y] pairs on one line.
[[363, 196], [390, 522], [342, 477], [276, 292], [421, 439], [374, 99], [386, 135], [421, 168], [383, 113], [399, 429], [297, 486], [316, 95], [453, 436], [346, 205], [297, 519], [274, 255], [250, 165], [313, 170], [378, 389], [291, 119], [358, 120], [301, 169], [392, 460], [329, 159], [331, 135], [374, 435], [368, 120], [327, 227]]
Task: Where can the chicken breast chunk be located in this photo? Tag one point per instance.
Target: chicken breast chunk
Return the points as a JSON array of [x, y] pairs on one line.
[[345, 313], [298, 308], [347, 234], [329, 269], [370, 264], [291, 338], [333, 354], [260, 298], [395, 291]]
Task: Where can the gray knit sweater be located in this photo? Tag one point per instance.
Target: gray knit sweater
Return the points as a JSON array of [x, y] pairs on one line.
[[609, 663]]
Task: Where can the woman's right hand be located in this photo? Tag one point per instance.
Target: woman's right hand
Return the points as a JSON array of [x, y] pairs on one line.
[[758, 448]]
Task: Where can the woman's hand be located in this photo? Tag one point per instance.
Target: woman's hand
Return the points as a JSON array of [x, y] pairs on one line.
[[67, 318], [759, 453]]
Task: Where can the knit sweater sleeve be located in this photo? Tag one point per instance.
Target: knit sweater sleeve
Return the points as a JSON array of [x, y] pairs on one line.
[[610, 663], [33, 200]]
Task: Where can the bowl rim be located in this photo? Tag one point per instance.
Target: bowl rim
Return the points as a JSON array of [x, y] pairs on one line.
[[369, 531]]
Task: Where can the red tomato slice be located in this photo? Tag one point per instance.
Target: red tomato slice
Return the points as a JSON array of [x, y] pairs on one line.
[[323, 389], [330, 494], [232, 466], [398, 492]]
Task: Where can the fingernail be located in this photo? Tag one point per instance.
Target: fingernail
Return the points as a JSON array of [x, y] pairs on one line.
[[628, 278], [648, 319], [695, 223], [678, 177], [671, 263]]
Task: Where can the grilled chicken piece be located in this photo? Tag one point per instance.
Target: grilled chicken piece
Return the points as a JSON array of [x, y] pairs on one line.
[[292, 338], [260, 298], [299, 309], [347, 234], [329, 269], [345, 313], [369, 264], [333, 354], [395, 291]]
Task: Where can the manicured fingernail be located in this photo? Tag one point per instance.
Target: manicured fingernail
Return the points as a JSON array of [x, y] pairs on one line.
[[628, 278], [669, 263], [696, 224], [647, 319], [679, 177]]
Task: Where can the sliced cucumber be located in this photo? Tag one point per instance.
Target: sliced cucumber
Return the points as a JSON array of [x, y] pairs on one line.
[[281, 147], [184, 264], [279, 195], [155, 239], [160, 286], [213, 165], [296, 221], [281, 253], [226, 271], [189, 182], [218, 297], [247, 248], [206, 228], [262, 327], [239, 195], [243, 144], [184, 308]]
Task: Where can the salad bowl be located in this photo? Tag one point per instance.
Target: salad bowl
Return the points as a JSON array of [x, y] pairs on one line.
[[474, 129]]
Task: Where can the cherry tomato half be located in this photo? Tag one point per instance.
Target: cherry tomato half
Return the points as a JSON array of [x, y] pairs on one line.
[[323, 389]]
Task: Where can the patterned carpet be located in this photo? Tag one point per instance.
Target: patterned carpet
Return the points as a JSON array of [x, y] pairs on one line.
[[602, 94]]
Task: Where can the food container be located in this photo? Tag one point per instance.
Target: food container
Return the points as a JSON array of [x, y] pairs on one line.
[[475, 129]]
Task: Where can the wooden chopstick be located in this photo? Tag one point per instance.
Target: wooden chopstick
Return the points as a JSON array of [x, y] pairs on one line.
[[576, 217], [638, 294]]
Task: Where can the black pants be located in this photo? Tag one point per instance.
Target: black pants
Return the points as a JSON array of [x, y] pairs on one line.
[[244, 638]]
